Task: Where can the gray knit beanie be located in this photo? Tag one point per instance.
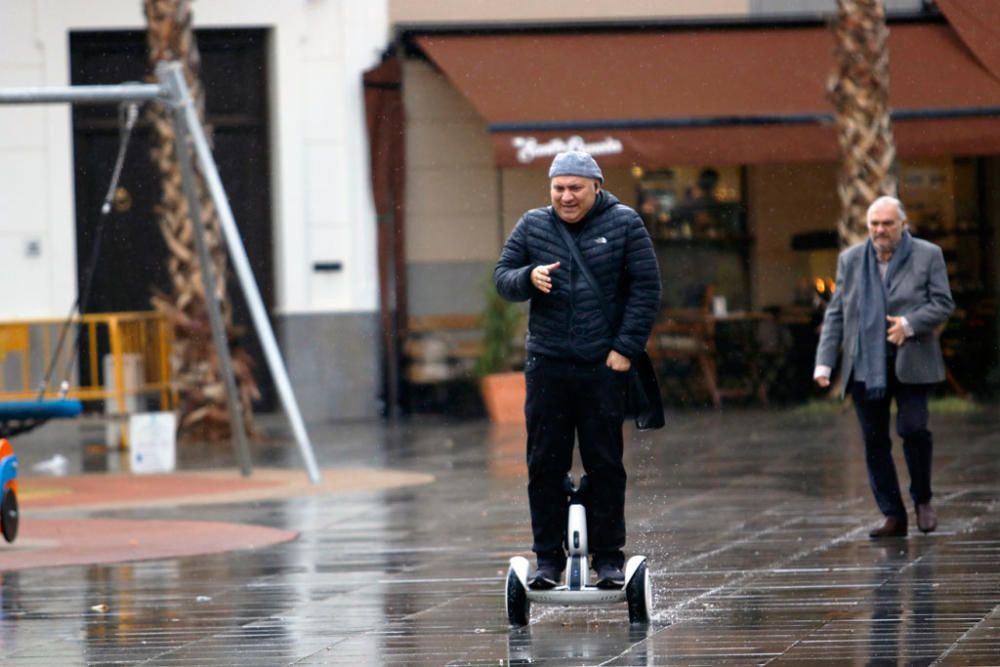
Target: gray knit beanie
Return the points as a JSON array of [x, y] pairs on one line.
[[575, 163]]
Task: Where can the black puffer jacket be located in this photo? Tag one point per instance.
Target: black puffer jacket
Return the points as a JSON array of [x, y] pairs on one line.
[[568, 323]]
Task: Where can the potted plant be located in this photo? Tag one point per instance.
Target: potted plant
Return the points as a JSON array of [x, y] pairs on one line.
[[502, 387]]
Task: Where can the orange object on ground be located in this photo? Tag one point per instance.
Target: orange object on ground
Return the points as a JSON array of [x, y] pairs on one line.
[[7, 450]]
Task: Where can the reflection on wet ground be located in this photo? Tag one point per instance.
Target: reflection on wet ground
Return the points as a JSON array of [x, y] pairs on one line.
[[755, 525]]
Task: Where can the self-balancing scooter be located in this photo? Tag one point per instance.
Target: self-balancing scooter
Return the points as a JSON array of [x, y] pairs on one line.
[[576, 590]]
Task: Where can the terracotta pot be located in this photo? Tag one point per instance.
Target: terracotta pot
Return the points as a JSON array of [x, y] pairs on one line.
[[503, 394]]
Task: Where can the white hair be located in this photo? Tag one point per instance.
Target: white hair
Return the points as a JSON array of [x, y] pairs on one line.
[[886, 199]]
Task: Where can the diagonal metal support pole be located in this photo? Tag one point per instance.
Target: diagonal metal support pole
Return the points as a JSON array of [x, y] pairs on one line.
[[219, 337], [172, 76]]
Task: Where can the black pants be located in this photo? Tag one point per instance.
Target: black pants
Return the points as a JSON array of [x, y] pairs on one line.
[[585, 400], [918, 444]]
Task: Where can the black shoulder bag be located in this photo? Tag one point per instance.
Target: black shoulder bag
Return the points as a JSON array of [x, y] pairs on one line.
[[642, 396]]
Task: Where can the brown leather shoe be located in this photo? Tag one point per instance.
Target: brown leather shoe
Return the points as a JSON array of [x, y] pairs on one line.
[[891, 527], [926, 518]]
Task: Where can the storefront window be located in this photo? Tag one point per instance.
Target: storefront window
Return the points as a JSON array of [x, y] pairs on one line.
[[942, 201], [691, 203], [942, 205], [695, 216]]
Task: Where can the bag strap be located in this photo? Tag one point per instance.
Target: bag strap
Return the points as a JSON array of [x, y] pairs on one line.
[[574, 251]]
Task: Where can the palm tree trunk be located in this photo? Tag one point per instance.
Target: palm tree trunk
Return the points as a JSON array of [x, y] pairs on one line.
[[859, 90], [203, 414]]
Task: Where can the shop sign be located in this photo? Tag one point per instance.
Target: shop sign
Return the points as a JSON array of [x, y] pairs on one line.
[[530, 149]]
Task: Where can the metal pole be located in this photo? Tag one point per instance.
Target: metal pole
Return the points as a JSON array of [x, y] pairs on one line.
[[389, 314], [208, 283], [137, 92], [172, 75]]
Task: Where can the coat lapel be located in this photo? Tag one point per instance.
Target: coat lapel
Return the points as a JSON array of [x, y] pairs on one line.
[[902, 273]]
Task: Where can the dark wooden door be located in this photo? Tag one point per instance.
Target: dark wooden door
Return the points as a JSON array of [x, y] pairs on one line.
[[132, 255]]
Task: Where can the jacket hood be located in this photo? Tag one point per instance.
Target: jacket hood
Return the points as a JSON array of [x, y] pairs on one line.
[[602, 203]]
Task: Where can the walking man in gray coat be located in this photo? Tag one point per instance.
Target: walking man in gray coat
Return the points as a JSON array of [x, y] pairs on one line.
[[891, 302]]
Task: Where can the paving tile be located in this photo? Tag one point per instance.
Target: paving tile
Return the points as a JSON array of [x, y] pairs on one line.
[[754, 523]]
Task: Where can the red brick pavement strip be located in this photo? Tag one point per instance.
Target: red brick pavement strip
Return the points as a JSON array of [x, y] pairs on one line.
[[51, 542], [57, 542], [121, 490], [90, 491]]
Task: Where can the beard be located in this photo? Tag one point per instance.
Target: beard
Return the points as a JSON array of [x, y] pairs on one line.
[[886, 244]]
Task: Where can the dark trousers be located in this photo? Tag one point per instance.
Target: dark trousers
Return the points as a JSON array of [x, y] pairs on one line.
[[911, 426], [568, 399]]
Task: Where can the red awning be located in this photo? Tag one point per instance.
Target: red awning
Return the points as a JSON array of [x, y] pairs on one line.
[[708, 96], [978, 23]]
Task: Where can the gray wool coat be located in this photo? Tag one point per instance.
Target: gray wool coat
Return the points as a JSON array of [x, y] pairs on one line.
[[919, 292]]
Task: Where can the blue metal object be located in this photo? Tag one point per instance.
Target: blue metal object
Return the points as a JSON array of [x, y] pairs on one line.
[[21, 416], [8, 470], [63, 407]]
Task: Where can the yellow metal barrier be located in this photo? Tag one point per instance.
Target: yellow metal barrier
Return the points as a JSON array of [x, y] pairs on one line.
[[136, 344]]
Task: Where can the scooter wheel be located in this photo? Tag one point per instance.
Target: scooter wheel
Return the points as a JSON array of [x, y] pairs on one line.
[[518, 605], [9, 516], [639, 595]]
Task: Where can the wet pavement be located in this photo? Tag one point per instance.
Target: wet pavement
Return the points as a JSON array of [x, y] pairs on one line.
[[755, 525]]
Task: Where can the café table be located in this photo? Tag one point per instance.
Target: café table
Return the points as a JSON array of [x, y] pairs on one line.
[[724, 347]]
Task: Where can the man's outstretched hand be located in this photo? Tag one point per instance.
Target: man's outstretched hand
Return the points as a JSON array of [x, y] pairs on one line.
[[541, 277]]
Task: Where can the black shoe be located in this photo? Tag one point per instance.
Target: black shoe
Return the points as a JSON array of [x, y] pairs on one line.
[[609, 575], [608, 566], [545, 576]]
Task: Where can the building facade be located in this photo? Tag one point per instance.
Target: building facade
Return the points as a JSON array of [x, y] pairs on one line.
[[672, 97], [284, 99], [713, 122]]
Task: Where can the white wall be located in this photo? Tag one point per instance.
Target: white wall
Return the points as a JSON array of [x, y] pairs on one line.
[[29, 207], [321, 202]]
